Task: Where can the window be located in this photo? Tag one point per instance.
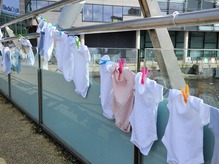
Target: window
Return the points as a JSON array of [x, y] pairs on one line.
[[87, 13], [132, 11], [193, 5], [196, 40], [117, 14], [97, 13], [210, 40], [107, 13], [163, 7], [117, 11], [173, 6]]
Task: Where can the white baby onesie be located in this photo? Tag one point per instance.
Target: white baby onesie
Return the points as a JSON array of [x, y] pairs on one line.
[[6, 60], [214, 126], [183, 137], [26, 51], [143, 119], [106, 88], [60, 40], [48, 42], [81, 66], [68, 61]]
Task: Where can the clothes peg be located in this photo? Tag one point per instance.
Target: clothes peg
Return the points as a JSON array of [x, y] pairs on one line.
[[77, 41], [41, 17], [185, 93], [46, 20], [102, 62], [121, 65], [20, 36], [144, 73], [60, 32]]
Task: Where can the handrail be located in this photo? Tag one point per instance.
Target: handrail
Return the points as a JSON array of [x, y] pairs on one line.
[[27, 36], [201, 17], [40, 11]]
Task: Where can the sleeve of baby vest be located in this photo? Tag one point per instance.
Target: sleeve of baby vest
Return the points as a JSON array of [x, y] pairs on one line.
[[159, 92], [169, 99], [87, 53], [205, 114]]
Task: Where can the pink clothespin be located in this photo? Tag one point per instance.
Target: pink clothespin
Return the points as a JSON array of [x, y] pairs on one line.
[[144, 74], [121, 65]]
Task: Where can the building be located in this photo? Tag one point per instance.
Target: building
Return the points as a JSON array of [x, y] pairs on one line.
[[104, 11]]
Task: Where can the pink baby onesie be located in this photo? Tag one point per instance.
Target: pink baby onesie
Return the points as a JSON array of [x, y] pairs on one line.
[[123, 97]]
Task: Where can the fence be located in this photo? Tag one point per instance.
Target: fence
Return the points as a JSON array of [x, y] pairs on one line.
[[78, 123]]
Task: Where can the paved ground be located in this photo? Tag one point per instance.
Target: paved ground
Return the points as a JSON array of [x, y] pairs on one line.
[[21, 144]]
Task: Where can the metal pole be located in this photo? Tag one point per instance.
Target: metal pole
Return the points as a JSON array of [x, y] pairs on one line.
[[40, 91], [0, 7], [186, 43], [40, 11], [201, 17], [9, 86]]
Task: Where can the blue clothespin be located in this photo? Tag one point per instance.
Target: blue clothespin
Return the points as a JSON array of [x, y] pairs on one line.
[[103, 62]]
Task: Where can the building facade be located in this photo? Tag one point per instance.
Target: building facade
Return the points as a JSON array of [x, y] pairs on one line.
[[105, 11]]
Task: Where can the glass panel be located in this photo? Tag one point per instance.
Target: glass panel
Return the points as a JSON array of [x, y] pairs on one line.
[[197, 39], [78, 121], [163, 6], [177, 1], [206, 28], [180, 36], [199, 88], [97, 13], [176, 7], [193, 5], [125, 10], [117, 11], [163, 0], [179, 45], [3, 81], [132, 11], [41, 4], [210, 46], [87, 13], [210, 37], [108, 12], [25, 83], [207, 5], [34, 5]]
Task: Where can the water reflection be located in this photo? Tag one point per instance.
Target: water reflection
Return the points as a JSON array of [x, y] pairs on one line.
[[206, 89]]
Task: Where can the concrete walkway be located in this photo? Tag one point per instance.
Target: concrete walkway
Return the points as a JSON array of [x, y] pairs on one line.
[[21, 144]]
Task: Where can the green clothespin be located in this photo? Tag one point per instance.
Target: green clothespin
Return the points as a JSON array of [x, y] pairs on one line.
[[46, 20], [20, 36], [78, 42]]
